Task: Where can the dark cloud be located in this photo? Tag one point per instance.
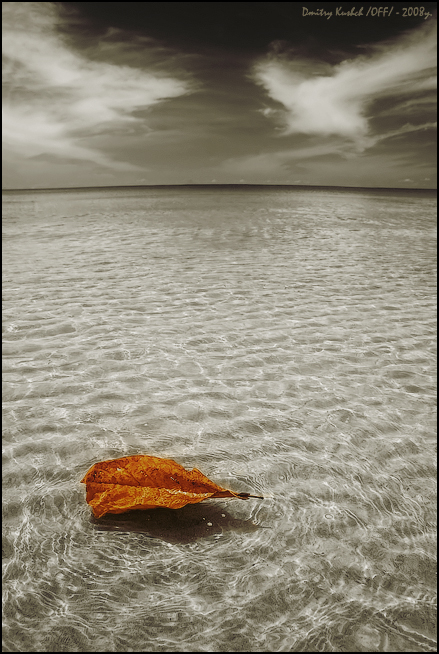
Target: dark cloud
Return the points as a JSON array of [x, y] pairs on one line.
[[247, 27]]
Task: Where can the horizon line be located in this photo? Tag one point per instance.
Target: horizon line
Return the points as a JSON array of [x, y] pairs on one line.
[[215, 184]]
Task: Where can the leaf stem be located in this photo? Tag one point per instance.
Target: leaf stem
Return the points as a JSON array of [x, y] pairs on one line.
[[247, 495]]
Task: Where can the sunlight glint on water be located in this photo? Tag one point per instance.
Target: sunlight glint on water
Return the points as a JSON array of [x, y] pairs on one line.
[[283, 342]]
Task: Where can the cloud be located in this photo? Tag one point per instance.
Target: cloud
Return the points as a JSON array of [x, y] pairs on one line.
[[264, 161], [319, 98], [329, 161], [56, 98], [405, 129], [419, 103]]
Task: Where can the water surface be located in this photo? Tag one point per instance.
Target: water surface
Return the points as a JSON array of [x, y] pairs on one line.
[[281, 341]]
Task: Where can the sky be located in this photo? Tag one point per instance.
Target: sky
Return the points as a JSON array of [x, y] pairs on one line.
[[145, 93]]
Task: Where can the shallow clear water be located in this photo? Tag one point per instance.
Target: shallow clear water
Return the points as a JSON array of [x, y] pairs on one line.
[[281, 341]]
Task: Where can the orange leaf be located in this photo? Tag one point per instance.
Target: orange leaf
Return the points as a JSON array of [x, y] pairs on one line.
[[147, 482]]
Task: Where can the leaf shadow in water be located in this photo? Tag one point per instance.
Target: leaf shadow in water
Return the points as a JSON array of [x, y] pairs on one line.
[[185, 525]]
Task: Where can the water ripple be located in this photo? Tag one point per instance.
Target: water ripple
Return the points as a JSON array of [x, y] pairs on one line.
[[281, 342]]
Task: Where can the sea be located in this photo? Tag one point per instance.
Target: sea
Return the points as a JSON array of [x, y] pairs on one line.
[[282, 340]]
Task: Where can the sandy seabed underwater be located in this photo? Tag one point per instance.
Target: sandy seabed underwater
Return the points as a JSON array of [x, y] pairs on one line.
[[283, 341]]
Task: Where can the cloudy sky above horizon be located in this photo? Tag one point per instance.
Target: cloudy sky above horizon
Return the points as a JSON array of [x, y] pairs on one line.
[[133, 93]]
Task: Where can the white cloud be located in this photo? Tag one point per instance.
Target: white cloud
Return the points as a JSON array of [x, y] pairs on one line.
[[419, 103], [404, 130], [277, 161], [319, 154], [54, 97], [333, 100]]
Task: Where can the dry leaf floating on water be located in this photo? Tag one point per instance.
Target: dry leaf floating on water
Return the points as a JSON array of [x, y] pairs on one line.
[[148, 482]]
